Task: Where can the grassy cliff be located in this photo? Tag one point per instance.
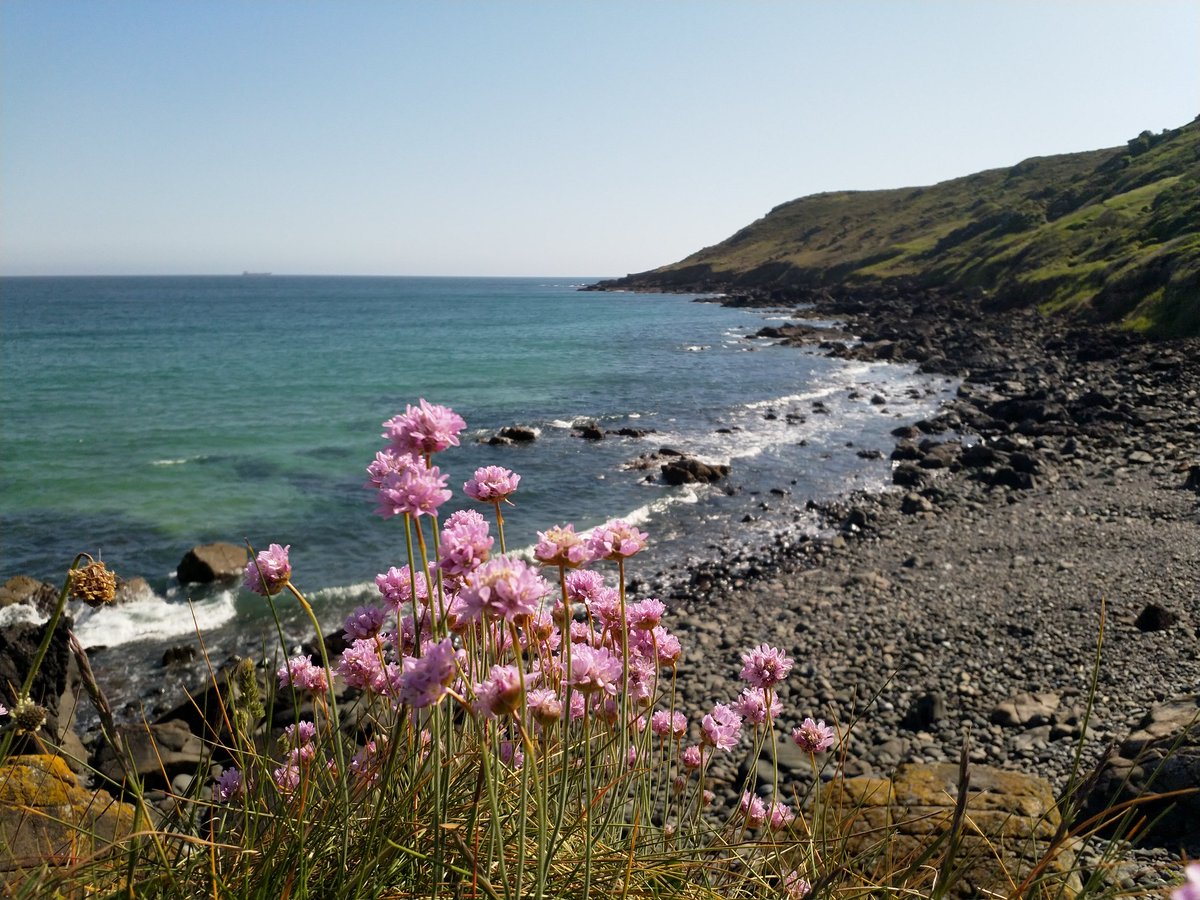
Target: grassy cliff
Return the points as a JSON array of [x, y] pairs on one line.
[[1111, 235]]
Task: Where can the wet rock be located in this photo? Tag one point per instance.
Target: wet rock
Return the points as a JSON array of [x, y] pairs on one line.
[[517, 434], [22, 589], [692, 471], [174, 656], [206, 563], [589, 431]]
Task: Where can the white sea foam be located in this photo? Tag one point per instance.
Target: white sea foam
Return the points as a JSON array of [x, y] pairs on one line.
[[177, 462], [20, 614], [151, 617]]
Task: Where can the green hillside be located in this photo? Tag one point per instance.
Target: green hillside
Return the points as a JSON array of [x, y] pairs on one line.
[[1111, 235]]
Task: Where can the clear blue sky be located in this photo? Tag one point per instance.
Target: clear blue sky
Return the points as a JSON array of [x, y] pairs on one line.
[[529, 138]]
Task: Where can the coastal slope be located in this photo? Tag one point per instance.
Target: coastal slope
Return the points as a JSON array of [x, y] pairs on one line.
[[1105, 235]]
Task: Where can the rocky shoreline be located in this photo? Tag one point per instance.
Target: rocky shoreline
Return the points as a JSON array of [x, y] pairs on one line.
[[1059, 493]]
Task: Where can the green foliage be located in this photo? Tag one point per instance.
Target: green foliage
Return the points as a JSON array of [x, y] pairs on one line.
[[1071, 233]]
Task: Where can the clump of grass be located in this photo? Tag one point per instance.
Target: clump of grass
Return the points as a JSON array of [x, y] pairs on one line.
[[507, 727]]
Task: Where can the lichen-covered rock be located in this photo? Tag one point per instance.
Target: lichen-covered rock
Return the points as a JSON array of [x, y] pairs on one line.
[[1010, 824], [46, 818]]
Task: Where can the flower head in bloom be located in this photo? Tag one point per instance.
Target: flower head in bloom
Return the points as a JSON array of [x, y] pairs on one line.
[[594, 670], [229, 786], [362, 666], [503, 587], [779, 815], [465, 543], [417, 490], [423, 680], [364, 622], [1190, 890], [765, 666], [753, 809], [561, 546], [721, 728], [287, 777], [617, 540], [396, 586], [500, 693], [511, 755], [386, 462], [425, 428], [795, 886], [300, 673], [269, 571], [94, 584], [585, 587], [492, 484], [645, 615], [752, 706], [297, 735], [693, 756], [664, 723], [28, 715], [545, 706], [814, 737]]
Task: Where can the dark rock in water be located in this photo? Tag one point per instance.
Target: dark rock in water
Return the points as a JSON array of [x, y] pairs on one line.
[[908, 475], [590, 431], [184, 653], [924, 712], [634, 432], [869, 454], [206, 563], [691, 471], [132, 589], [518, 434], [906, 450], [1155, 618], [22, 589]]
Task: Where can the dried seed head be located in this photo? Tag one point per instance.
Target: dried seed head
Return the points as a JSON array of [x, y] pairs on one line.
[[28, 716], [94, 584]]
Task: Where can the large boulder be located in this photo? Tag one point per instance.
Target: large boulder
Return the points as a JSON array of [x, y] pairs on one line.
[[1159, 758], [57, 686], [206, 563], [46, 818], [1009, 825], [22, 589]]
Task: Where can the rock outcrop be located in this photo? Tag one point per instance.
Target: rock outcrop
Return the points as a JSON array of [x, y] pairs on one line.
[[207, 563]]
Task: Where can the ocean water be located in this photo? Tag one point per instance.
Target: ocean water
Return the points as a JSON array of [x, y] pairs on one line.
[[140, 416]]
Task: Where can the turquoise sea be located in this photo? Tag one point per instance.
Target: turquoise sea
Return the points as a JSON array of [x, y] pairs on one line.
[[140, 416]]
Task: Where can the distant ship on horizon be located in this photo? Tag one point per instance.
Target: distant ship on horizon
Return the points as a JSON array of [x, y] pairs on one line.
[[255, 274]]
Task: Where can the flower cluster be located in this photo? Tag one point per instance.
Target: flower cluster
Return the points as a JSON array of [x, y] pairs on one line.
[[269, 572]]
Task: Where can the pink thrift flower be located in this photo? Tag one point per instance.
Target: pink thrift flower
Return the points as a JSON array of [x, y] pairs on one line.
[[765, 666], [386, 462], [664, 723], [300, 673], [424, 429], [287, 777], [814, 737], [617, 540], [362, 666], [545, 706], [396, 586], [511, 755], [796, 886], [229, 786], [1190, 890], [643, 681], [268, 573], [594, 670], [667, 645], [500, 694], [3, 710], [584, 586], [645, 615], [465, 543], [297, 735], [503, 587], [364, 622], [707, 798], [779, 816], [753, 809], [752, 706], [492, 484], [722, 728], [561, 546], [692, 756], [423, 680], [418, 490]]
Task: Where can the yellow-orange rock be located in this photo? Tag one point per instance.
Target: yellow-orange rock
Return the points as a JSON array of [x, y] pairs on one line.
[[46, 818], [1010, 828]]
